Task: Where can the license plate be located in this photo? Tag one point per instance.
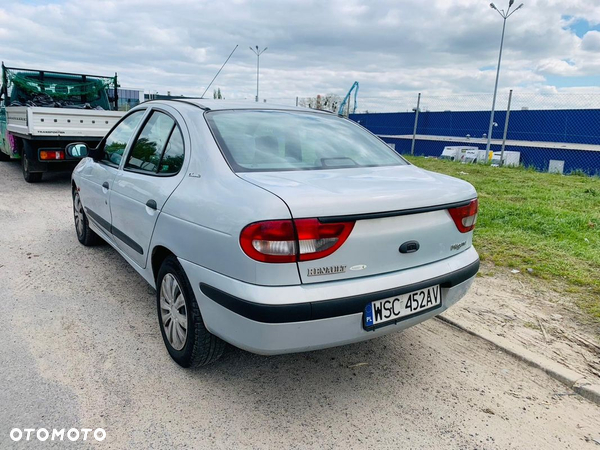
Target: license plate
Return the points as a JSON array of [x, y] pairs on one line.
[[393, 309]]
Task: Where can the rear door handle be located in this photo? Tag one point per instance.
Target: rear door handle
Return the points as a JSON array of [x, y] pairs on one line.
[[151, 204], [105, 185]]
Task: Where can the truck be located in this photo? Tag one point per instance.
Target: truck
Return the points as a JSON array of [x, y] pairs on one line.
[[42, 111]]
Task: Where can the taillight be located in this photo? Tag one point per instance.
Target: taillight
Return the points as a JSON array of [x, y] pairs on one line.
[[273, 241], [465, 217], [284, 241], [318, 240], [52, 154]]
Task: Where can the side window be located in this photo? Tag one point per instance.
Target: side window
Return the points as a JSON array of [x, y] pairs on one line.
[[173, 157], [116, 141], [147, 150]]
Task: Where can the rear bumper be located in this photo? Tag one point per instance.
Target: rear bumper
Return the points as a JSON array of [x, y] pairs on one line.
[[33, 147], [52, 166], [286, 319]]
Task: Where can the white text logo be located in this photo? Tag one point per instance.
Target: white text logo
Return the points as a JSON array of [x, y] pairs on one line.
[[43, 434]]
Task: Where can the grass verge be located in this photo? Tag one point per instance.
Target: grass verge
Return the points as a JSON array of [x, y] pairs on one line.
[[530, 220]]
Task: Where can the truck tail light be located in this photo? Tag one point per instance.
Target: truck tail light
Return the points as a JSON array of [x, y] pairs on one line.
[[52, 154], [465, 217], [285, 241]]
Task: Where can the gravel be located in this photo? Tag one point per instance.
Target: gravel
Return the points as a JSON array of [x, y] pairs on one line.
[[81, 348]]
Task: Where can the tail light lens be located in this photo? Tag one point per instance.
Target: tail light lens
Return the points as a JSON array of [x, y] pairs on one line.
[[284, 241], [52, 154], [273, 241], [465, 217], [317, 240]]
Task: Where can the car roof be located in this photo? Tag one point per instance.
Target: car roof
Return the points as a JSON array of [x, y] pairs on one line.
[[219, 105]]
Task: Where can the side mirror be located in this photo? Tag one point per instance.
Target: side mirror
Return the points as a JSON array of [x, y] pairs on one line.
[[77, 150]]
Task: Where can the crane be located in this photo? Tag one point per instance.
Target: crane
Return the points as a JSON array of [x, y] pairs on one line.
[[344, 110]]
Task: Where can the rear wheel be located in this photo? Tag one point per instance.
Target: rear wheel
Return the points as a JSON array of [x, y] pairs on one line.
[[82, 227], [187, 340], [4, 156], [30, 177]]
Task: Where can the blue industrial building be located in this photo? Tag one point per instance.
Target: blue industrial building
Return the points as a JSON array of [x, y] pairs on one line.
[[128, 97], [569, 135]]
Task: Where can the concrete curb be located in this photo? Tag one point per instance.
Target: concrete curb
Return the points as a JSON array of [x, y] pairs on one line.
[[577, 382]]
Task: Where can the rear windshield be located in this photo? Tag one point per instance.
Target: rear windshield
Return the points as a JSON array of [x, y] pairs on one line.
[[259, 141]]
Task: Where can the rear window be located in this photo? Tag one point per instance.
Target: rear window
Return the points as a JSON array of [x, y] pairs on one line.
[[259, 141]]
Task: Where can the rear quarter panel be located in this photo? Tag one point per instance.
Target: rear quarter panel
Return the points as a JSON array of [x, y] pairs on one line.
[[202, 220]]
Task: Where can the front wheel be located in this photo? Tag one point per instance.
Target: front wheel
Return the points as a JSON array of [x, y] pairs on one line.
[[30, 177], [187, 340]]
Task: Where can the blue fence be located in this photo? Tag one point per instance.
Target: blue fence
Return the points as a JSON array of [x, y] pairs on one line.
[[566, 126], [574, 160], [580, 126]]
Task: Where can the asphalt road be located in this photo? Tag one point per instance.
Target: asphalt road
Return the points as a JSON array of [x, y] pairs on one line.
[[81, 348]]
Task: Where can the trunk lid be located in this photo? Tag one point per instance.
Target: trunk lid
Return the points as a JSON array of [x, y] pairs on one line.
[[373, 247]]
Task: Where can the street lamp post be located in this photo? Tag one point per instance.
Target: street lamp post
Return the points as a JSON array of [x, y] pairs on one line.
[[505, 15], [257, 53]]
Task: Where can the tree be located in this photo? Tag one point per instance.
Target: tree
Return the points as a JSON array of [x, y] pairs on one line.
[[217, 94], [328, 102]]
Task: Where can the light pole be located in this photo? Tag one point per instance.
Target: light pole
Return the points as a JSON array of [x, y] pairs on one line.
[[257, 53], [505, 15]]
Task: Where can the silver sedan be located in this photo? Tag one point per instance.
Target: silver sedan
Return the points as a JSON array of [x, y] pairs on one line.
[[274, 229]]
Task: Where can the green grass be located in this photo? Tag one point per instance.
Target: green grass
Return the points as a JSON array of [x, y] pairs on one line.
[[546, 222]]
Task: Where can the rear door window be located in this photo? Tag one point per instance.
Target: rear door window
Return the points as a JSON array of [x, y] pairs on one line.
[[159, 147], [172, 159]]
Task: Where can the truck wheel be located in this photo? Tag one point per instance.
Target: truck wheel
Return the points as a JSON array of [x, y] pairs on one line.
[[4, 156], [187, 340], [84, 234], [30, 177]]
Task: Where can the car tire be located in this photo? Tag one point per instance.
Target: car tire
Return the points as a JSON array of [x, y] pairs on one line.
[[4, 156], [85, 234], [176, 303], [30, 177]]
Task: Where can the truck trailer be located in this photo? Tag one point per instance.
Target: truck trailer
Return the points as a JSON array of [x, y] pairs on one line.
[[43, 111]]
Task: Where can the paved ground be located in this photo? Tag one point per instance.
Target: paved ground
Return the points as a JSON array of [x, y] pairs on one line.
[[80, 347], [531, 314]]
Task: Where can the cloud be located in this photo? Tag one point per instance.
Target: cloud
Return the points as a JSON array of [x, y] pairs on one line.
[[591, 41], [394, 48], [553, 66]]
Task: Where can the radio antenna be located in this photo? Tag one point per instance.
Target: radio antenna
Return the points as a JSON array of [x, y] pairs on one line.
[[202, 96]]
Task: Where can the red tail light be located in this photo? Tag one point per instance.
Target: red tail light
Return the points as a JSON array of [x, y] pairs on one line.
[[52, 154], [318, 240], [273, 241], [284, 241], [465, 217]]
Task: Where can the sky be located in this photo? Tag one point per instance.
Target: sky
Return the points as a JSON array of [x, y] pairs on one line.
[[393, 48]]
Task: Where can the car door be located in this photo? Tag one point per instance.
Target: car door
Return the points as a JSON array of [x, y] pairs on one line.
[[96, 178], [151, 172]]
